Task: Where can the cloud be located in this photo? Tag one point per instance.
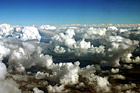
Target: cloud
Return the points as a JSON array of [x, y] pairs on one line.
[[67, 58], [36, 90], [123, 30], [100, 84], [117, 76], [22, 33], [114, 70], [5, 30], [112, 28], [28, 33], [3, 71], [56, 88], [123, 87], [130, 66], [47, 27], [65, 43], [138, 28], [8, 86], [3, 50], [117, 48], [137, 60], [66, 73], [40, 75]]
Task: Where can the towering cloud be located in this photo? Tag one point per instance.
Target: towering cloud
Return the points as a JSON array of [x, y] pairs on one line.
[[5, 30], [29, 33]]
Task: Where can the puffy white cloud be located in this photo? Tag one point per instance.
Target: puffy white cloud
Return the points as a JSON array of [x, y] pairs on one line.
[[114, 70], [66, 73], [118, 47], [46, 60], [4, 30], [28, 33], [87, 71], [131, 91], [25, 55], [114, 62], [59, 50], [3, 50], [112, 28], [100, 84], [123, 87], [123, 30], [17, 58], [3, 70], [83, 44], [118, 42], [90, 33], [117, 76], [36, 90], [40, 75], [138, 28], [22, 33], [130, 66], [127, 58], [80, 85], [65, 43], [94, 31], [57, 89], [61, 39], [47, 27], [137, 60]]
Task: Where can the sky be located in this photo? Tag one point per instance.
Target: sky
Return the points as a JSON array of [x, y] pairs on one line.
[[56, 12]]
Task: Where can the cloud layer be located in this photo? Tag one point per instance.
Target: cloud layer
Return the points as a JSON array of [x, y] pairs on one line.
[[68, 59]]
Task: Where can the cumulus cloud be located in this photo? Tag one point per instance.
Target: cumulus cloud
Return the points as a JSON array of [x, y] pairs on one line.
[[85, 57], [118, 47], [47, 27], [100, 84], [65, 43], [65, 73], [22, 33], [3, 71], [56, 88], [29, 33], [138, 28], [7, 85], [112, 28], [40, 75], [127, 58], [130, 66], [36, 90], [5, 30], [114, 70], [123, 30], [123, 87], [137, 60], [117, 76], [3, 50]]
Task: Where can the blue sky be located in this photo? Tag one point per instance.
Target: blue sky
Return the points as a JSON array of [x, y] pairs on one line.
[[55, 12]]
